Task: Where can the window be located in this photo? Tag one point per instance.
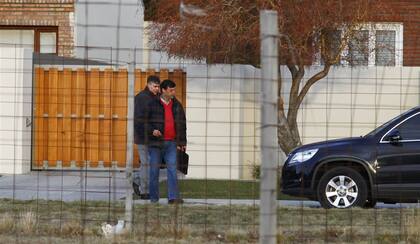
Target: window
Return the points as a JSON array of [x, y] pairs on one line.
[[39, 39], [385, 47], [359, 48], [410, 129], [379, 44], [47, 41], [23, 38]]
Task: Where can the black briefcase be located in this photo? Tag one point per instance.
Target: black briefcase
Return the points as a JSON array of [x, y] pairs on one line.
[[182, 161]]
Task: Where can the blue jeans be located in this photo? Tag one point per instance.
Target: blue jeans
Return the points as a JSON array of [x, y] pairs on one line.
[[141, 176], [168, 153]]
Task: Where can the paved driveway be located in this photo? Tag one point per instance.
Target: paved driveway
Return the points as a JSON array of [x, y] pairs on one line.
[[108, 186]]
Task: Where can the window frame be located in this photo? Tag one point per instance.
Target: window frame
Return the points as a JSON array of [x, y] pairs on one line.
[[404, 133], [369, 47], [396, 127], [37, 34], [372, 28], [395, 47]]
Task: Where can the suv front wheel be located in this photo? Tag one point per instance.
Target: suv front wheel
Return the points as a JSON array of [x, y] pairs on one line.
[[342, 187]]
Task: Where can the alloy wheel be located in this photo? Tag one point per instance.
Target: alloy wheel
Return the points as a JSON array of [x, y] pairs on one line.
[[341, 191]]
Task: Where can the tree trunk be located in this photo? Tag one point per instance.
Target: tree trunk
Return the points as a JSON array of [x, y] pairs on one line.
[[288, 130], [288, 137]]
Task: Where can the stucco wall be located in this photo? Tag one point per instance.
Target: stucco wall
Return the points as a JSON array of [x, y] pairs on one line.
[[353, 101], [108, 30], [15, 110], [223, 110]]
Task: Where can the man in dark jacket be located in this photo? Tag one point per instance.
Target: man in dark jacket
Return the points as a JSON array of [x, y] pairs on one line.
[[143, 102], [168, 132]]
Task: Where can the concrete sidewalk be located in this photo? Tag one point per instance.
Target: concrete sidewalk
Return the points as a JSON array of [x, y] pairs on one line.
[[108, 186], [64, 186]]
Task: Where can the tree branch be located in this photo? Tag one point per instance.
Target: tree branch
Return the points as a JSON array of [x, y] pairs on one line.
[[293, 70], [312, 81], [294, 90]]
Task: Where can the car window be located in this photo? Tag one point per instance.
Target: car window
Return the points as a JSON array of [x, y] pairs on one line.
[[410, 129], [378, 129]]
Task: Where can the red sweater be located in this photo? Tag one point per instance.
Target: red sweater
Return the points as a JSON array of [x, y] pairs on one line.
[[169, 133]]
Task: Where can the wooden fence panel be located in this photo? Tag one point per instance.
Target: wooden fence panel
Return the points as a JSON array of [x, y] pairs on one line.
[[137, 81], [92, 122], [39, 141], [177, 77], [164, 74], [119, 113], [105, 123], [81, 115], [52, 117], [45, 115], [67, 103], [78, 120], [59, 115]]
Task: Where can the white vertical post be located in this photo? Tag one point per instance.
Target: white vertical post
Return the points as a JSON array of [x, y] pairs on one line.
[[130, 141], [269, 143]]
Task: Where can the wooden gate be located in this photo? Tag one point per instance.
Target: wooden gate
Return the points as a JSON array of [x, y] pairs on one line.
[[80, 116]]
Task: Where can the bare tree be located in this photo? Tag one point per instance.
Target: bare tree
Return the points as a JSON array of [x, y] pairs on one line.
[[227, 31]]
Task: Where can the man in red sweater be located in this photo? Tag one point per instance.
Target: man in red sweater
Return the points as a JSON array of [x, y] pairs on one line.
[[168, 134]]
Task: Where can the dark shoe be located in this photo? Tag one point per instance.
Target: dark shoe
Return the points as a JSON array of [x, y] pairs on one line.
[[136, 189], [162, 165], [176, 201], [145, 196]]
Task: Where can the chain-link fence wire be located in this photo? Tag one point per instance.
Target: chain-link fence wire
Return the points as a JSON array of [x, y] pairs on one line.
[[354, 110], [64, 146], [352, 102], [71, 180]]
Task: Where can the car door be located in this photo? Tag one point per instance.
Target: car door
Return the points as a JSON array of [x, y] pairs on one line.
[[398, 161]]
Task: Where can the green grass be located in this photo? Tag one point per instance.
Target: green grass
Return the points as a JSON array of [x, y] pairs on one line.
[[79, 222], [220, 189]]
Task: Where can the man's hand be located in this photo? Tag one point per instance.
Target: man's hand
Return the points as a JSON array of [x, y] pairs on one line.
[[157, 133], [181, 148]]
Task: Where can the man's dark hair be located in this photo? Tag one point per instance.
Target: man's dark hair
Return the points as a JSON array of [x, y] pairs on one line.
[[153, 79], [167, 84]]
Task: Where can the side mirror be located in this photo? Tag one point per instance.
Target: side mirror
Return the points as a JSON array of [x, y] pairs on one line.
[[394, 137]]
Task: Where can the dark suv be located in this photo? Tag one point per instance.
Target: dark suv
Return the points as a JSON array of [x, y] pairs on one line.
[[383, 165]]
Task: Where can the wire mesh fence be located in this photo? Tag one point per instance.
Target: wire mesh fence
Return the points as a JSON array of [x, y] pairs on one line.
[[67, 143]]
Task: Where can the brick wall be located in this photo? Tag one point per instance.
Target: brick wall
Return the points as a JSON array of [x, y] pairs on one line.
[[407, 12], [58, 13]]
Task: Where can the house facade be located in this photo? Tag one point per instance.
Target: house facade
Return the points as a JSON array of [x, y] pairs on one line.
[[222, 101], [69, 27], [93, 29], [352, 100], [406, 12], [46, 26]]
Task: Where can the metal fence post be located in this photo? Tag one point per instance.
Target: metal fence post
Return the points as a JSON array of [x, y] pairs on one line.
[[130, 141], [269, 144]]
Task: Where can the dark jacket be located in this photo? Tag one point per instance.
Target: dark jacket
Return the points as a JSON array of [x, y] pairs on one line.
[[157, 122], [142, 105]]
